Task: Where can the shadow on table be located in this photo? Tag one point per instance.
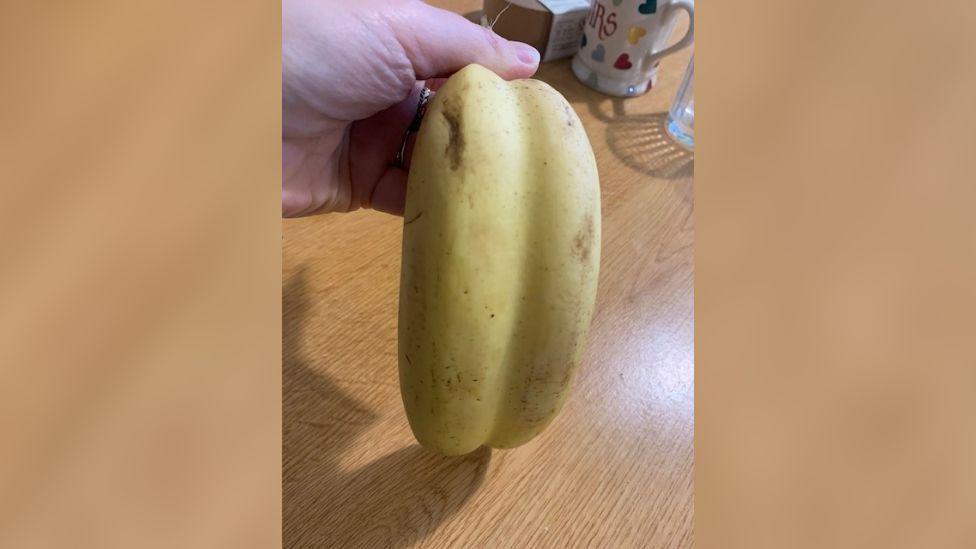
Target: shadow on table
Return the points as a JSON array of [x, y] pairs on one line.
[[642, 142], [394, 501]]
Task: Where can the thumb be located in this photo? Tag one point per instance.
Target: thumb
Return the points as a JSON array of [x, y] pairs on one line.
[[439, 43]]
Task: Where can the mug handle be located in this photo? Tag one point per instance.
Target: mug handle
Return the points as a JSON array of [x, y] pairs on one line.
[[685, 41]]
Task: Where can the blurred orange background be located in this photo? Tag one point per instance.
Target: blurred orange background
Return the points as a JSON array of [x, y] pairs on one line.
[[835, 378], [140, 274]]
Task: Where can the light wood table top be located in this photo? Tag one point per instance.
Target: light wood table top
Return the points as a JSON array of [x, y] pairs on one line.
[[615, 467]]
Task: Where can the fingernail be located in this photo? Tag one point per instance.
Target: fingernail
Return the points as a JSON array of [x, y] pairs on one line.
[[526, 53]]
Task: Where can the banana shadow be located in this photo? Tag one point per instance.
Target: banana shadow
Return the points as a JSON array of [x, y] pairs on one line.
[[394, 501]]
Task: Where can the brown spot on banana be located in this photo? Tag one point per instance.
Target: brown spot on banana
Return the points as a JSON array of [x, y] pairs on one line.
[[584, 239], [455, 141]]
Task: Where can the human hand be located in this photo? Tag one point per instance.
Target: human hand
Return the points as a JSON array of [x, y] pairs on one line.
[[350, 78]]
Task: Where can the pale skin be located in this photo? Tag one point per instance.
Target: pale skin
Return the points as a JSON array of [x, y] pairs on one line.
[[350, 77]]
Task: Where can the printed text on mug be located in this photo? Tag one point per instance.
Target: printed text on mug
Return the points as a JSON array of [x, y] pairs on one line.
[[603, 20]]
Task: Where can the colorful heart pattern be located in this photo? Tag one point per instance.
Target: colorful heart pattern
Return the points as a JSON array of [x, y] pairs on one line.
[[635, 34], [598, 53], [623, 62]]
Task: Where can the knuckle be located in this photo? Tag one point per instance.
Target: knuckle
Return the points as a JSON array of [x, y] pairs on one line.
[[495, 43]]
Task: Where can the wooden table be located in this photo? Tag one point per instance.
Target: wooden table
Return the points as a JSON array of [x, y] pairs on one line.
[[613, 470]]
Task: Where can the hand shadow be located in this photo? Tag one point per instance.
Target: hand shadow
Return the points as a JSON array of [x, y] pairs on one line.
[[395, 501]]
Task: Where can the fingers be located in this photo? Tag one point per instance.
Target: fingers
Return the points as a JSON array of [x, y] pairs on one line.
[[434, 84], [390, 191], [439, 43], [373, 144], [311, 169]]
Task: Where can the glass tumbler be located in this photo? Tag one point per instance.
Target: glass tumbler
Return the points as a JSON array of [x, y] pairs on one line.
[[681, 119]]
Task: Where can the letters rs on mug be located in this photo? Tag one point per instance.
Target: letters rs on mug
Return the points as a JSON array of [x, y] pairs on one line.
[[603, 20]]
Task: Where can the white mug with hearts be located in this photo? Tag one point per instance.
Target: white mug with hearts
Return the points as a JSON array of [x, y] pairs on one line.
[[624, 40]]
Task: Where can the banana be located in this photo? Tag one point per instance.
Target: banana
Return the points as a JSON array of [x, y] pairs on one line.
[[501, 253]]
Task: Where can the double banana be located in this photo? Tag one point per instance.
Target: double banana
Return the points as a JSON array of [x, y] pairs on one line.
[[501, 252]]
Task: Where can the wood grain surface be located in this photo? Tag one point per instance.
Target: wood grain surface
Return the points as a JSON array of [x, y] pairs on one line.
[[615, 467]]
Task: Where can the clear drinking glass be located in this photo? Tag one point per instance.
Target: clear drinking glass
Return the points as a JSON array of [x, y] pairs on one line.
[[681, 119]]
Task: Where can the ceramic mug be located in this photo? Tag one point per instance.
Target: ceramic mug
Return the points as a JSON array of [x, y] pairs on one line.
[[624, 41]]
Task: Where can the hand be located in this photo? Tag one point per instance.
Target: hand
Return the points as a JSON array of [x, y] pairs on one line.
[[350, 78]]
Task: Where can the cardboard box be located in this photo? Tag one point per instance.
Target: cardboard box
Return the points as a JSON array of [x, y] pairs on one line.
[[554, 27]]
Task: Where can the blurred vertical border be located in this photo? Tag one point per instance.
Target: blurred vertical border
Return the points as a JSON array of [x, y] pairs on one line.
[[140, 274], [835, 274]]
